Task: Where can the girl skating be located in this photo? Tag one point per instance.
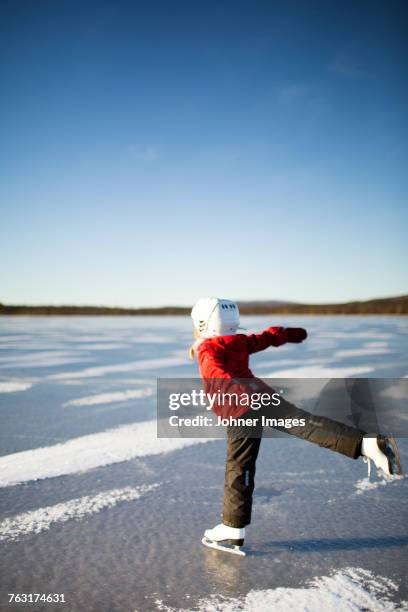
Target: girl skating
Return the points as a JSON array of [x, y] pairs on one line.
[[223, 357]]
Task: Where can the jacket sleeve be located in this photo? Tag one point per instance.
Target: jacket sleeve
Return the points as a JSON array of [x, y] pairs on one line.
[[211, 363], [273, 336]]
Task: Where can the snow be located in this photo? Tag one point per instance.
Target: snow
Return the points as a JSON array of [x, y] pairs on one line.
[[146, 364], [102, 346], [349, 590], [42, 359], [99, 339], [42, 519], [266, 363], [365, 484], [110, 398], [13, 386], [361, 352], [354, 335], [397, 390], [89, 452], [320, 371], [152, 338]]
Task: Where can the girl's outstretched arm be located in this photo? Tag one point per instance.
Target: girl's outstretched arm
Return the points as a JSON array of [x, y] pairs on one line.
[[275, 336]]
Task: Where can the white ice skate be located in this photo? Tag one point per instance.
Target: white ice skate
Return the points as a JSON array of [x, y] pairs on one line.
[[383, 450], [227, 539]]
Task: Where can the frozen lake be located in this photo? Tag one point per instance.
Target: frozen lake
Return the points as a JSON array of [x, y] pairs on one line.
[[94, 506]]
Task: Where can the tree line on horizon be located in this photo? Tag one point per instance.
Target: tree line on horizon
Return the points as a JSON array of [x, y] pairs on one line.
[[384, 306]]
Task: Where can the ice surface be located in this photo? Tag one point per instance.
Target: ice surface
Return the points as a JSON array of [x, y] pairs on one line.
[[351, 590], [43, 518], [89, 452], [81, 441], [319, 371], [133, 366], [109, 398], [43, 358], [13, 386], [362, 352], [366, 484]]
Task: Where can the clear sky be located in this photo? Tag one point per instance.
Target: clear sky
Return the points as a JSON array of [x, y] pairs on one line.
[[154, 152]]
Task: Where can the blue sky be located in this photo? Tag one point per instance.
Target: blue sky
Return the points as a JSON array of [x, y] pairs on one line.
[[155, 152]]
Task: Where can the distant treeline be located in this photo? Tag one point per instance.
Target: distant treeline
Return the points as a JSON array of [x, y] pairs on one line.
[[385, 306]]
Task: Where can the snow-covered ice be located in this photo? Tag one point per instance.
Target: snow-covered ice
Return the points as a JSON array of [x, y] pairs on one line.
[[42, 519], [366, 484], [133, 366], [350, 590], [110, 398], [361, 352], [89, 452], [13, 386], [81, 512], [320, 371]]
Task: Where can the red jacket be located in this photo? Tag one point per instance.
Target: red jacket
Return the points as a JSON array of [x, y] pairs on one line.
[[227, 357]]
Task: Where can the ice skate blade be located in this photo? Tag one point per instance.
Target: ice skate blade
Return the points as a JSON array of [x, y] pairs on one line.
[[235, 550], [393, 455]]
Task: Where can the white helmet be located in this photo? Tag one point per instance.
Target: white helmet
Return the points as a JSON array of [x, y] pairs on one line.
[[215, 317]]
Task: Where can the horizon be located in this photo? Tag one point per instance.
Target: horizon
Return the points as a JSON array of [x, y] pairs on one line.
[[179, 305], [230, 149]]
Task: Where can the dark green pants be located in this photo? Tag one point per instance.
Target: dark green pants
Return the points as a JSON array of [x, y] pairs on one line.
[[243, 446]]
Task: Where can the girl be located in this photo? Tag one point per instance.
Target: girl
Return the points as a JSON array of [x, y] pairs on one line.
[[223, 357]]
